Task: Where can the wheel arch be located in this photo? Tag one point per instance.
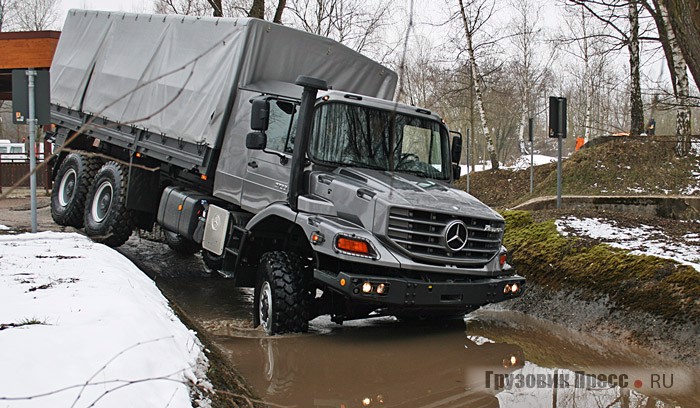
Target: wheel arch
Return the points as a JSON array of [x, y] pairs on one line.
[[274, 229]]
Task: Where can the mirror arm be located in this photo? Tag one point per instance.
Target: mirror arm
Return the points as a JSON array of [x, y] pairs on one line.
[[283, 159]]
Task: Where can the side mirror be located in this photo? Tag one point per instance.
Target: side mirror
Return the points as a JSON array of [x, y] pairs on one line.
[[256, 141], [456, 149], [456, 171], [260, 114]]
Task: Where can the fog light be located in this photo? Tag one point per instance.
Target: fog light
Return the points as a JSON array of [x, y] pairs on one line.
[[366, 287], [513, 360], [381, 288], [515, 288], [506, 289], [366, 401]]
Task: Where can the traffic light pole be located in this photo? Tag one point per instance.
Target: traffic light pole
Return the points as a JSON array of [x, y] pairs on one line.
[[31, 122]]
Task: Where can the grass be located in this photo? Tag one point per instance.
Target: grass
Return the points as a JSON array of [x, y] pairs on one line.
[[660, 287], [616, 166], [24, 322]]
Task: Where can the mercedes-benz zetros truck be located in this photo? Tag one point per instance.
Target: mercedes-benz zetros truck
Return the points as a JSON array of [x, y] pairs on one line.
[[279, 155]]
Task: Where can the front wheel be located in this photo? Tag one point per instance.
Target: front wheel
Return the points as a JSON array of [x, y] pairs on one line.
[[107, 220], [281, 295]]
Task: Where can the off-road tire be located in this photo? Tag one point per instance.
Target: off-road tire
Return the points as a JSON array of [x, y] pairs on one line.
[[73, 181], [180, 244], [108, 221], [289, 303]]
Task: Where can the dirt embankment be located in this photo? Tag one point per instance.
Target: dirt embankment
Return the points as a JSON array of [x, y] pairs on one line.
[[589, 285]]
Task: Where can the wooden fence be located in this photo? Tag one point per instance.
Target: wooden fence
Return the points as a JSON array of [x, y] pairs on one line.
[[11, 171]]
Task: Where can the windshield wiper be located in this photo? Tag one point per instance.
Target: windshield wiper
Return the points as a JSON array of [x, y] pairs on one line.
[[419, 173], [367, 165]]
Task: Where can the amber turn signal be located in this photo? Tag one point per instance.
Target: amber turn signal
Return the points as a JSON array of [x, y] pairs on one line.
[[354, 246]]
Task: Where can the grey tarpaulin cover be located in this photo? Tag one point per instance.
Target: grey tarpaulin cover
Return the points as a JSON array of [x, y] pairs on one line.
[[177, 75]]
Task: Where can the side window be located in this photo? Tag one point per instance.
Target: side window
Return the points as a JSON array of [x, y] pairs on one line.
[[282, 126]]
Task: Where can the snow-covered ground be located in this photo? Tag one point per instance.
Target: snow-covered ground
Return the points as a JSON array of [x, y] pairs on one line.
[[81, 326], [641, 240], [522, 163]]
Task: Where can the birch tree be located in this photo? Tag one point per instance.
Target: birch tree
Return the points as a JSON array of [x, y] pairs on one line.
[[531, 67], [622, 18], [684, 17], [637, 112], [586, 43], [678, 71], [474, 15]]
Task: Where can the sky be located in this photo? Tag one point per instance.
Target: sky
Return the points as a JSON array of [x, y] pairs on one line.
[[110, 5]]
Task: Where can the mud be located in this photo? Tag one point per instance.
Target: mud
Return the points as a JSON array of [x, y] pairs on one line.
[[384, 362]]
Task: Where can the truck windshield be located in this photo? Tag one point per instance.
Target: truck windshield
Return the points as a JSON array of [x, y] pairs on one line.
[[359, 136]]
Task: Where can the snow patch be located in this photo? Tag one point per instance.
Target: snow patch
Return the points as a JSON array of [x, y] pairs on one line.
[[642, 240], [82, 325]]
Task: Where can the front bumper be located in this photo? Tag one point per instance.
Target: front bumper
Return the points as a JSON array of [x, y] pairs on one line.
[[418, 293]]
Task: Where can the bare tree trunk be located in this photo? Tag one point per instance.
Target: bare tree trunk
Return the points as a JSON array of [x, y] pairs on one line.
[[637, 108], [257, 10], [278, 13], [477, 90], [681, 89], [216, 5], [587, 80], [684, 16], [472, 120], [521, 128]]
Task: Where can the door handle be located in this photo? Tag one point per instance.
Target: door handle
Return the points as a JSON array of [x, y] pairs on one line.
[[253, 164]]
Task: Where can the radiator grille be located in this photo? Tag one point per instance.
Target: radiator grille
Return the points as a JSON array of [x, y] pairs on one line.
[[421, 236]]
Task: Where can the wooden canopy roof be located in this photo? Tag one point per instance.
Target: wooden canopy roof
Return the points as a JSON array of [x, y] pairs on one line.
[[21, 50]]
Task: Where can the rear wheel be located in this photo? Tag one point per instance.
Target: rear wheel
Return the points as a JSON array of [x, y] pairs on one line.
[[180, 244], [107, 220], [70, 191], [282, 295]]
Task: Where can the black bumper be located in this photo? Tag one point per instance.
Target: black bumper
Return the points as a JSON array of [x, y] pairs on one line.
[[418, 293]]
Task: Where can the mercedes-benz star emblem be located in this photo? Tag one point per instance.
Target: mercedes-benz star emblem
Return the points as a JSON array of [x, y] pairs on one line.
[[456, 236]]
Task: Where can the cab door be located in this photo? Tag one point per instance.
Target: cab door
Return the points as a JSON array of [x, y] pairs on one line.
[[267, 171]]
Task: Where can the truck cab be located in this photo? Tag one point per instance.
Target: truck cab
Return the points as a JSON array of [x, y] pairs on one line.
[[372, 227]]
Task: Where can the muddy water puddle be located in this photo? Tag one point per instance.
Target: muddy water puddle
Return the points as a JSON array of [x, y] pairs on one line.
[[492, 359]]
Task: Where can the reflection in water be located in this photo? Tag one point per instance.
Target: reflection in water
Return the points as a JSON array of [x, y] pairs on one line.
[[381, 364], [385, 363]]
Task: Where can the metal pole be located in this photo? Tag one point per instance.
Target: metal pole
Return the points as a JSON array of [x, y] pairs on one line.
[[468, 168], [531, 131], [31, 121], [559, 139], [560, 136]]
